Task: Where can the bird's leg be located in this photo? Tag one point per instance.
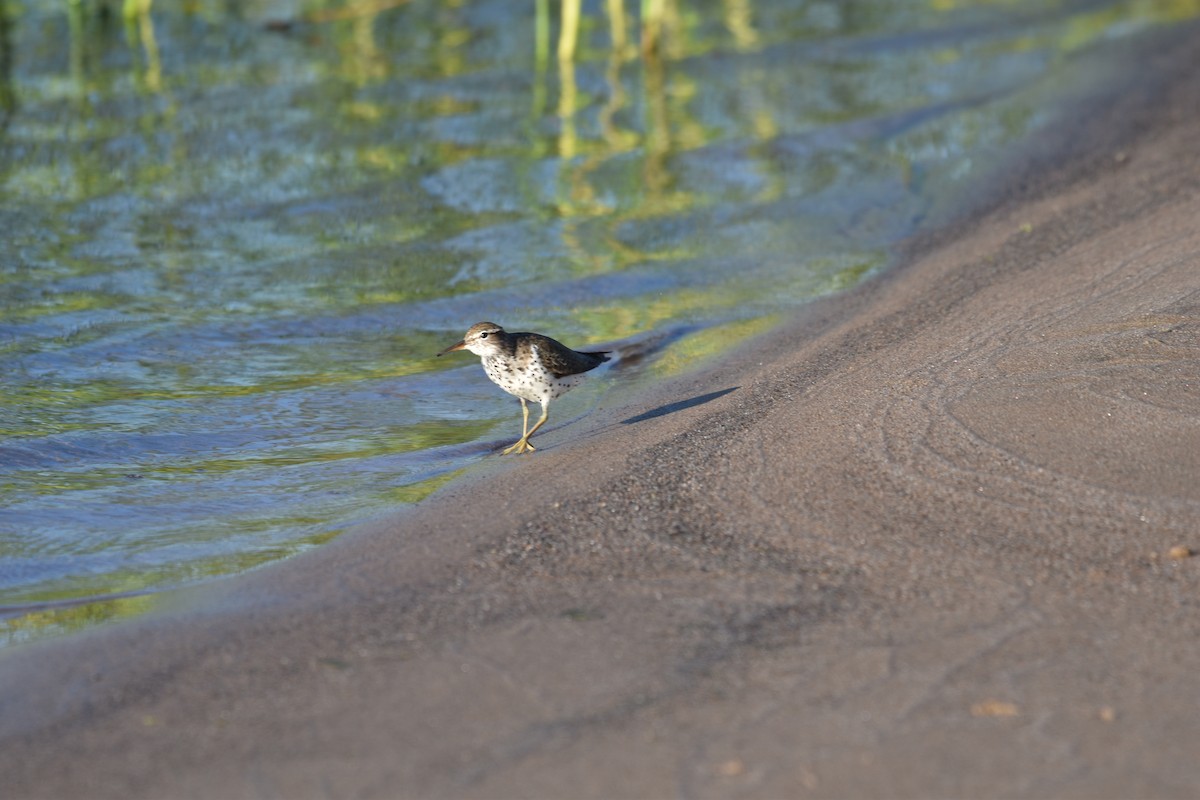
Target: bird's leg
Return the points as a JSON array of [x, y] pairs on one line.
[[540, 423], [523, 443]]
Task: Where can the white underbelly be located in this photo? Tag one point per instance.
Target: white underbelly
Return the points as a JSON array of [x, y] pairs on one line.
[[534, 385]]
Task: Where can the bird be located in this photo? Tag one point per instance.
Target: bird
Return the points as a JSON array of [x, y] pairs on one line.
[[530, 366]]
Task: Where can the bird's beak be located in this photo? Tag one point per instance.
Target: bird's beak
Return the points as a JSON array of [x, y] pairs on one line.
[[452, 348]]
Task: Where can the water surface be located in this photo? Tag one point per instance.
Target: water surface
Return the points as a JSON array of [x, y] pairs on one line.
[[236, 234]]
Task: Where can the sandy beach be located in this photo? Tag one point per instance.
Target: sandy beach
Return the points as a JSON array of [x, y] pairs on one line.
[[929, 539]]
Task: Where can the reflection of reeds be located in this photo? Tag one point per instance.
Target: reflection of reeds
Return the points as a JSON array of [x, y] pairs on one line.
[[617, 139], [139, 35], [8, 95], [566, 107], [569, 33], [658, 132], [652, 21], [370, 8], [132, 9], [139, 27], [737, 21], [75, 43], [660, 20]]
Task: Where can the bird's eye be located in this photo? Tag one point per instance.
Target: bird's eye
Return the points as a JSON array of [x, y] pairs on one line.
[[483, 335]]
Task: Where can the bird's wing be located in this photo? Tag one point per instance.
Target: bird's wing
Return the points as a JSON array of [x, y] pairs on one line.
[[562, 360]]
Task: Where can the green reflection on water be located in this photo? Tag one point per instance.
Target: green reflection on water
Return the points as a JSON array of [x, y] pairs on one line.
[[48, 619], [419, 491], [709, 344], [51, 621]]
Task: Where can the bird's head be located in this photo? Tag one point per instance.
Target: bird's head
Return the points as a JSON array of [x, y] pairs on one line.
[[482, 339]]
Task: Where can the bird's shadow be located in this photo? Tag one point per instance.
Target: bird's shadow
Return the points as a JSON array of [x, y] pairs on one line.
[[680, 405]]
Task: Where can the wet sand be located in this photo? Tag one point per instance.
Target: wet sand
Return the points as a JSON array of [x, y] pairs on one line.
[[916, 543]]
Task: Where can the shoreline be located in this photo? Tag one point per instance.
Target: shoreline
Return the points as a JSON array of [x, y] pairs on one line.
[[916, 542]]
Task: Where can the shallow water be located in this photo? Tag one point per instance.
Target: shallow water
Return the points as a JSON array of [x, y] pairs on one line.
[[235, 236]]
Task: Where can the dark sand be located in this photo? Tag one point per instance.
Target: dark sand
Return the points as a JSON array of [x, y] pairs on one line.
[[921, 550]]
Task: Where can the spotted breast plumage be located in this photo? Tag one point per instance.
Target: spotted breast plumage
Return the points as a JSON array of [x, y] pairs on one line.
[[530, 366]]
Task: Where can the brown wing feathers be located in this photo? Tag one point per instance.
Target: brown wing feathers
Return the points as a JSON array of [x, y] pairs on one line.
[[562, 360]]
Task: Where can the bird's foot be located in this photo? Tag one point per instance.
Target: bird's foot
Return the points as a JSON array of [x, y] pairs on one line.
[[521, 446]]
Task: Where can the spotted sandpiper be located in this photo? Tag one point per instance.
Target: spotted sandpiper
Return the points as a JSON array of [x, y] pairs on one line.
[[528, 365]]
